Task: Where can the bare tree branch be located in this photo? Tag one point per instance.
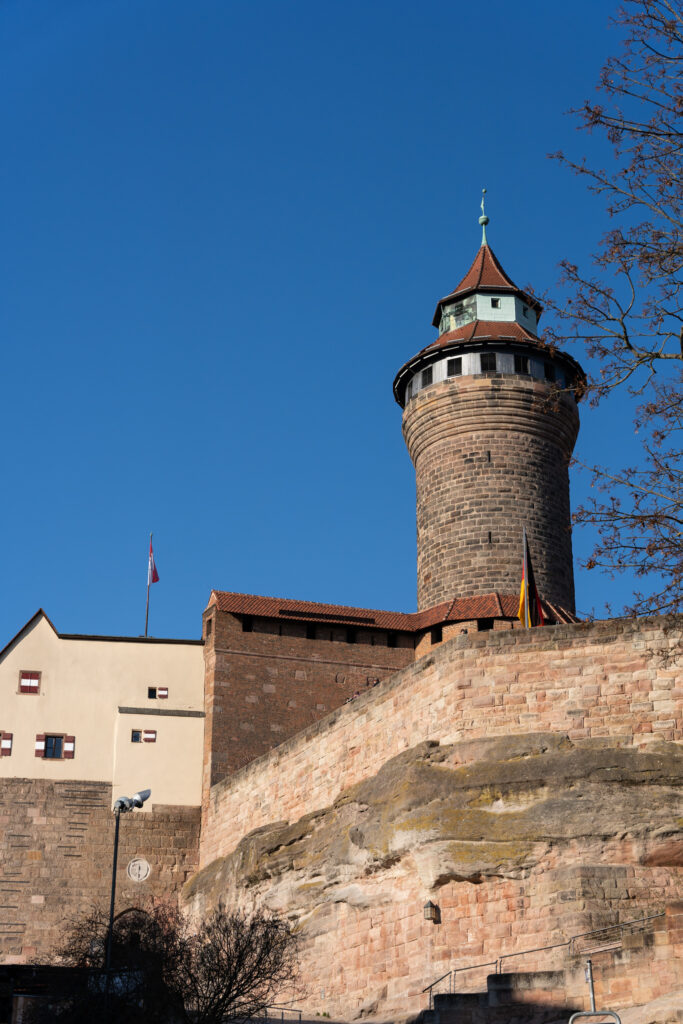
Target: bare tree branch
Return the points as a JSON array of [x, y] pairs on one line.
[[628, 310]]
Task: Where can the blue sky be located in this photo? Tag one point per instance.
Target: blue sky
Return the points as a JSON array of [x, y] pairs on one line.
[[225, 227]]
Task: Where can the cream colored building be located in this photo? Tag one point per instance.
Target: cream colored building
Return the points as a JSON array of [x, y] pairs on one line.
[[125, 710]]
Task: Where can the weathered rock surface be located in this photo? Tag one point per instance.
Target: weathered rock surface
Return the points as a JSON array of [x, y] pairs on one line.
[[490, 808]]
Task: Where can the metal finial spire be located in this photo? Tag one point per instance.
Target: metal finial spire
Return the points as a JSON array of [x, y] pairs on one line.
[[483, 220]]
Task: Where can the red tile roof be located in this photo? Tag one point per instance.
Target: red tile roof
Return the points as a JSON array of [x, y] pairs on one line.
[[487, 330], [486, 606], [485, 274]]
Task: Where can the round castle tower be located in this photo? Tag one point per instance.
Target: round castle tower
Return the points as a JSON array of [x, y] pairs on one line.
[[490, 421]]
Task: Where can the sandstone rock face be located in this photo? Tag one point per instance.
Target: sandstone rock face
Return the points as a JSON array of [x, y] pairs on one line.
[[517, 839]]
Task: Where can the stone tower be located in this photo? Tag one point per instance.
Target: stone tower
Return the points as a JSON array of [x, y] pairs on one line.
[[490, 421]]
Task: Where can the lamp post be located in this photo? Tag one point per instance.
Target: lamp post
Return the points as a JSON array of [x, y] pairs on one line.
[[122, 805]]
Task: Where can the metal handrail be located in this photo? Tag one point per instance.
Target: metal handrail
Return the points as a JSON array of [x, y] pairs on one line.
[[569, 943], [283, 1008]]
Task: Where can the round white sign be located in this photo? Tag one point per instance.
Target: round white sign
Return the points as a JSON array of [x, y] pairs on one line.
[[138, 869]]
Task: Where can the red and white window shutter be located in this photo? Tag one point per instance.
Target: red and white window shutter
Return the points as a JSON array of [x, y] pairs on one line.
[[162, 692], [29, 682], [40, 744], [5, 744], [149, 735], [69, 746]]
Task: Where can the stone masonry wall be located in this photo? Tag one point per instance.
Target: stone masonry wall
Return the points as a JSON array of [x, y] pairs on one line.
[[491, 456], [590, 681], [607, 692], [262, 688], [56, 858]]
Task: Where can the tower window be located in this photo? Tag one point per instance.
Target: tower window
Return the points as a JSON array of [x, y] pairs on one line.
[[247, 624], [209, 627], [427, 377], [549, 371], [437, 634], [454, 367], [310, 631], [350, 636], [525, 310], [488, 362], [484, 624], [495, 303], [521, 364], [391, 639]]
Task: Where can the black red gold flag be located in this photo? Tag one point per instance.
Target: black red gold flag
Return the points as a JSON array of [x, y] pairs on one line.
[[530, 611]]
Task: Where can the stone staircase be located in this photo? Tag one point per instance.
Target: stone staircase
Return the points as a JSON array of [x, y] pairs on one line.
[[640, 977]]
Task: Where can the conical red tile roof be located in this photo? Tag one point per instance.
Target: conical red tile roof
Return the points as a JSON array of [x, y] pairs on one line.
[[485, 273]]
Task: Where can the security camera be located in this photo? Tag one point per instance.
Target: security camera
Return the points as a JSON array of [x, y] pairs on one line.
[[139, 798]]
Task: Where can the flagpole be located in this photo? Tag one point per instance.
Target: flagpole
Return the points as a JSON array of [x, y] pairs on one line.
[[148, 575], [526, 581]]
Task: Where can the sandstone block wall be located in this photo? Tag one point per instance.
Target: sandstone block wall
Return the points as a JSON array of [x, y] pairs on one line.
[[556, 814], [646, 965], [617, 679], [491, 455], [56, 858], [262, 687]]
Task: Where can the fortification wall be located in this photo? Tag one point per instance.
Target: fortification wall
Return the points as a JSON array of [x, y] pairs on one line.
[[618, 679], [56, 858], [525, 782], [261, 687]]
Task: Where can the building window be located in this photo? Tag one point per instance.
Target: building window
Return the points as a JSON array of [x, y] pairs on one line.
[[54, 746], [310, 631], [151, 693], [136, 736], [391, 639], [209, 627], [350, 636], [484, 624], [495, 303], [549, 371], [525, 310], [427, 377], [521, 364], [488, 362], [437, 634], [454, 367], [5, 744], [247, 624], [29, 682]]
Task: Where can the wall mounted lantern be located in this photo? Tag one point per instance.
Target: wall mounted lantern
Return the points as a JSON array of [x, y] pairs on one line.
[[432, 912]]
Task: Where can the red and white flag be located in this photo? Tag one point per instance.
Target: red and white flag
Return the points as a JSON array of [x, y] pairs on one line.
[[152, 574]]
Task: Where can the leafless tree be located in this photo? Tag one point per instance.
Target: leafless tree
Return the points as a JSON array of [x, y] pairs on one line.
[[628, 310], [228, 968]]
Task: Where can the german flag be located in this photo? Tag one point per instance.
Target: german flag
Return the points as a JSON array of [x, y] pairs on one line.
[[530, 610]]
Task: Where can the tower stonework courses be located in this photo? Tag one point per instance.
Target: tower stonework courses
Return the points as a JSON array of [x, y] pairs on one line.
[[490, 420]]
